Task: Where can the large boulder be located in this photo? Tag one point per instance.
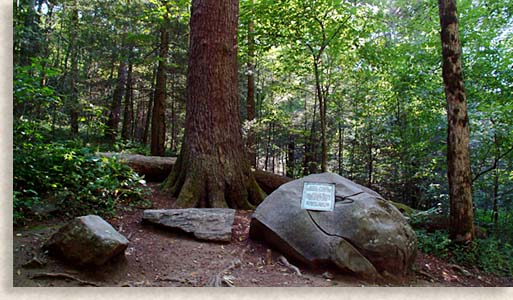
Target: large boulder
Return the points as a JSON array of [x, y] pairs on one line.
[[209, 224], [364, 233], [87, 240]]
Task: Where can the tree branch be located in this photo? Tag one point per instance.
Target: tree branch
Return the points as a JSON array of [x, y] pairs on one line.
[[493, 166]]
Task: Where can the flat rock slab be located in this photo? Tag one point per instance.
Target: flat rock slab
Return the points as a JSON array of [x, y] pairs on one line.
[[87, 240], [209, 224]]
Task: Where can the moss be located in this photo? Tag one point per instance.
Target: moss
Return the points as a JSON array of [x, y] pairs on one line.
[[403, 208], [206, 182]]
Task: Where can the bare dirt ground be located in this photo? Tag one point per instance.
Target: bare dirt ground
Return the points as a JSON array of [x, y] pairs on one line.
[[156, 257]]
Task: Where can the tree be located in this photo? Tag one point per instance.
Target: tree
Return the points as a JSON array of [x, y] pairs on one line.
[[158, 119], [212, 169], [251, 88], [458, 156], [73, 101], [115, 108]]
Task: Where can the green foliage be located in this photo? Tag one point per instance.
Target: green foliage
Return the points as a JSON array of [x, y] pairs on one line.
[[379, 72], [30, 98], [436, 243], [68, 176], [492, 255]]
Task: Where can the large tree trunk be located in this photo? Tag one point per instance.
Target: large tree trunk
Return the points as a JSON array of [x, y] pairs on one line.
[[458, 158], [158, 119], [212, 169]]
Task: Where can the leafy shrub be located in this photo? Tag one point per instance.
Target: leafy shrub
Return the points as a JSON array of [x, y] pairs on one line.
[[436, 243], [63, 174], [71, 177], [491, 255]]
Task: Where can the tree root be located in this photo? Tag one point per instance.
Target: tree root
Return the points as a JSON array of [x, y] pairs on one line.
[[64, 276], [427, 275], [219, 278], [286, 263]]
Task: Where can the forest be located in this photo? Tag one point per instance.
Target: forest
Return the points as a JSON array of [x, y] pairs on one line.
[[386, 93]]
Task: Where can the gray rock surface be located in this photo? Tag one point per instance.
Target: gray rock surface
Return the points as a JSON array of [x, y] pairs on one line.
[[364, 234], [210, 224], [87, 240]]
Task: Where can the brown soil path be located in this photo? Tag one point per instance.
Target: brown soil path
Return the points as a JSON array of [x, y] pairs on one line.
[[156, 257]]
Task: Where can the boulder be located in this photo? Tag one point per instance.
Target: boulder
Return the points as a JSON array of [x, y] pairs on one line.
[[87, 240], [364, 233], [209, 224]]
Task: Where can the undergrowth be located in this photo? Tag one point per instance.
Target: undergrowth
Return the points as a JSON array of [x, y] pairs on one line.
[[68, 177], [491, 254]]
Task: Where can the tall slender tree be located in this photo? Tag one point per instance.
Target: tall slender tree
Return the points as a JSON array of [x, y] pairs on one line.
[[458, 157], [73, 102], [158, 116], [212, 169], [117, 97], [251, 87]]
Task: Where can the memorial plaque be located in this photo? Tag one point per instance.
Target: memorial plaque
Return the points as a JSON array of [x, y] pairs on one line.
[[318, 196]]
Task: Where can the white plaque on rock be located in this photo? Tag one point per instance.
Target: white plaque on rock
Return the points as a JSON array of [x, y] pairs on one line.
[[318, 196]]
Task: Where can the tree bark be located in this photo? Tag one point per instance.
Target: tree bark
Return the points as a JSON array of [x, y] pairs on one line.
[[173, 126], [117, 97], [309, 163], [158, 119], [73, 103], [291, 162], [151, 100], [495, 210], [340, 149], [126, 131], [370, 163], [458, 158], [251, 90], [212, 169], [322, 115], [268, 147]]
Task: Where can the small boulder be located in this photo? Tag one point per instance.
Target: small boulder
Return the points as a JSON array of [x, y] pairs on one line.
[[87, 240], [209, 224], [364, 233]]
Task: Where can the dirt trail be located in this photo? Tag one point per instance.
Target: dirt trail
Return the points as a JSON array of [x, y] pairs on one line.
[[156, 257]]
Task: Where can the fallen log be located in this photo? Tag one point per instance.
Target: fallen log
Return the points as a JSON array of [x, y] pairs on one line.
[[157, 168], [268, 181], [154, 168]]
